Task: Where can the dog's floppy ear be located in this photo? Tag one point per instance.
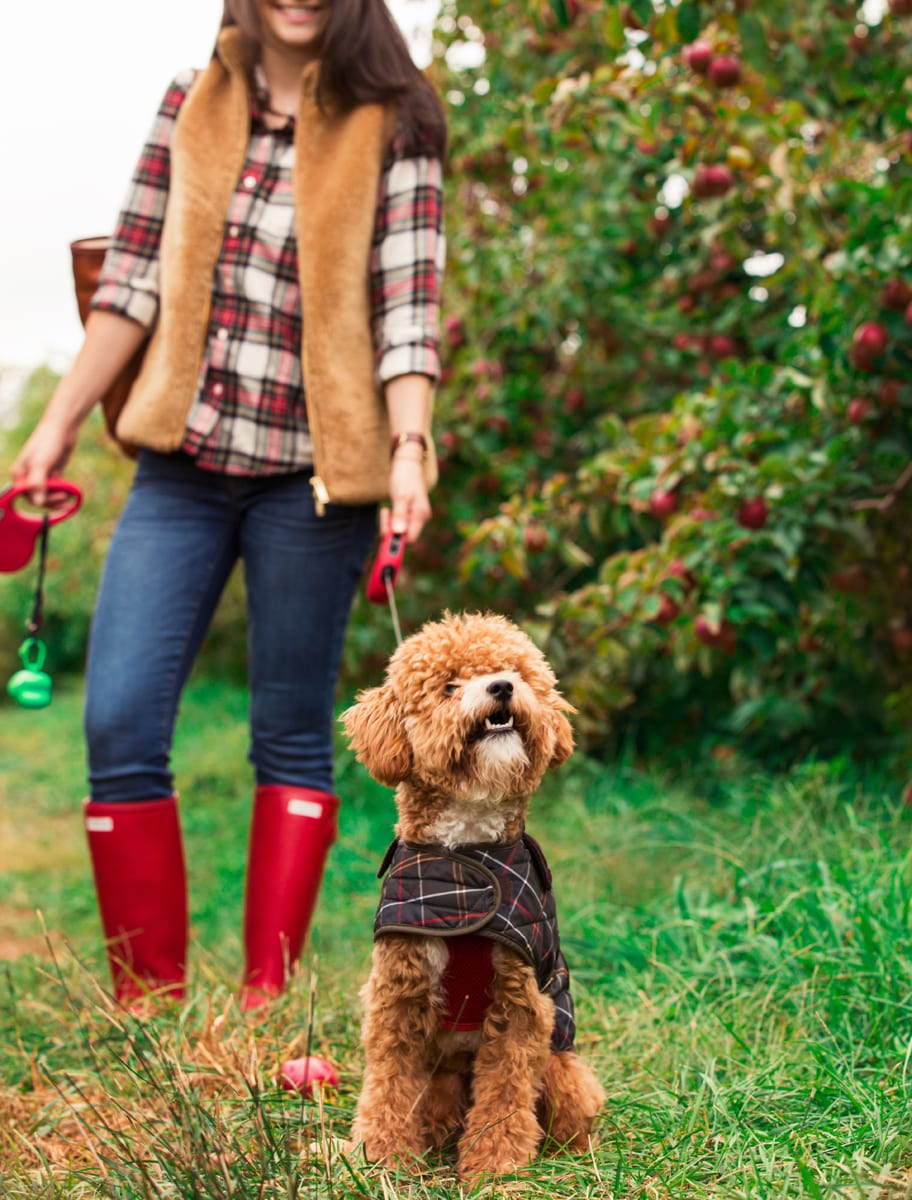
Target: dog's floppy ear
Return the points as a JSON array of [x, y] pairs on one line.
[[563, 732], [376, 730]]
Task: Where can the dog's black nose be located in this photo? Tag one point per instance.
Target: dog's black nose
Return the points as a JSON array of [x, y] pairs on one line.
[[501, 689]]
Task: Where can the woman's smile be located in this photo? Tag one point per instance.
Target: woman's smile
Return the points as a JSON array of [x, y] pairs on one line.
[[296, 26]]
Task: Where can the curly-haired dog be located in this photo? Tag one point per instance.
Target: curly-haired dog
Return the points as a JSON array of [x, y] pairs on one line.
[[468, 1019]]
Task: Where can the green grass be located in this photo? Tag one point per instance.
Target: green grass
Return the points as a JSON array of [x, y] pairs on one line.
[[739, 947]]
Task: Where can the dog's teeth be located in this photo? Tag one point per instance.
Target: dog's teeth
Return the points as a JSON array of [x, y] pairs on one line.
[[489, 724]]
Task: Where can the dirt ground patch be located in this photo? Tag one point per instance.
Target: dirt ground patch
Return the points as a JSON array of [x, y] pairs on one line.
[[38, 1130], [55, 842], [20, 935]]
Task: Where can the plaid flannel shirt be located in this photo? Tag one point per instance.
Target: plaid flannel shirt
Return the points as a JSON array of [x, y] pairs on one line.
[[499, 892], [248, 416]]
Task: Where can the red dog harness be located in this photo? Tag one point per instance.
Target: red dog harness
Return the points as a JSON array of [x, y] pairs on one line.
[[467, 982]]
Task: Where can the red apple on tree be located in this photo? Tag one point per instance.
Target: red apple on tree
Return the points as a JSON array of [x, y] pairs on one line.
[[535, 538], [888, 393], [720, 345], [677, 570], [753, 513], [454, 331], [662, 503], [858, 410], [713, 179], [715, 633], [901, 637], [896, 295], [698, 55], [853, 580], [486, 484], [498, 422], [668, 610], [725, 71], [574, 400], [869, 341]]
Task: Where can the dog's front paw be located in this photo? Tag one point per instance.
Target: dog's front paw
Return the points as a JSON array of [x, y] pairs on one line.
[[507, 1145], [388, 1148]]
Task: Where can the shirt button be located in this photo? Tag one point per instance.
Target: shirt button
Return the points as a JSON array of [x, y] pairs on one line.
[[217, 389], [222, 334], [250, 181], [234, 231]]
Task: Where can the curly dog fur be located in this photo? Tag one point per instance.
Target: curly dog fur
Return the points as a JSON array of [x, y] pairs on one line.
[[464, 727]]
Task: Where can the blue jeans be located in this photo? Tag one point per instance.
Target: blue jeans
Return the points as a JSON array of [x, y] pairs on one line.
[[180, 534]]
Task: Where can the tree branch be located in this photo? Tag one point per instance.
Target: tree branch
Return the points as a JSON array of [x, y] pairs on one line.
[[887, 501]]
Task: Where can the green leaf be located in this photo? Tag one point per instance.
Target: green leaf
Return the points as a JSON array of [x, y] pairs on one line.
[[543, 91], [560, 9], [642, 10], [613, 27], [689, 20], [754, 44]]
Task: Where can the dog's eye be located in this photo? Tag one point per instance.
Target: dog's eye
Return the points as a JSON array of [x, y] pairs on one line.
[[450, 689]]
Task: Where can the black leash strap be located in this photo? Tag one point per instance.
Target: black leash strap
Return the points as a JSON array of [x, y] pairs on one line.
[[36, 620]]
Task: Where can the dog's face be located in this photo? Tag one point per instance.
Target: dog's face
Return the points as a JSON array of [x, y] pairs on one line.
[[469, 712]]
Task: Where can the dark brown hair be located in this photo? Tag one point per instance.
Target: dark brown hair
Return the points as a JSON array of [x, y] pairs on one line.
[[364, 59]]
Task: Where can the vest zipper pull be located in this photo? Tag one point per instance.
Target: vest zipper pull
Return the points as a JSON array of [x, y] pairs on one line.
[[321, 495]]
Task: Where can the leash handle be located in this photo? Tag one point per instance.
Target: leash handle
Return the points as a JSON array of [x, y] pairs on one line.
[[381, 581], [19, 531], [386, 567]]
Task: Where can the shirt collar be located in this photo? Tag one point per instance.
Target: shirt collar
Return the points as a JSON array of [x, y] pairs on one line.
[[259, 104]]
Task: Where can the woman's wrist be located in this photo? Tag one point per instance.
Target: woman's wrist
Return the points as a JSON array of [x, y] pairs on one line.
[[416, 460], [409, 442]]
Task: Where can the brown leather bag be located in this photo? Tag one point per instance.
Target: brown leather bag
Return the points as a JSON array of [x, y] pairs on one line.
[[88, 255]]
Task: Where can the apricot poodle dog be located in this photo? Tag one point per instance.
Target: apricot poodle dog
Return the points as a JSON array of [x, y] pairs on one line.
[[468, 1026]]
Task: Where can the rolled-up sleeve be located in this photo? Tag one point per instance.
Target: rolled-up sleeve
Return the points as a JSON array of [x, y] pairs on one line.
[[129, 278], [407, 261]]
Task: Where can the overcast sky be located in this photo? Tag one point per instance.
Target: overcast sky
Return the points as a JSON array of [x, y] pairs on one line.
[[80, 84]]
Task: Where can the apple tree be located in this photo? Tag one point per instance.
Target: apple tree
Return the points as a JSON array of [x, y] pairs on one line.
[[675, 417]]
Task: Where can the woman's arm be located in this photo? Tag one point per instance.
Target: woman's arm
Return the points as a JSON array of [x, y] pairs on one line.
[[110, 342], [406, 268], [124, 308], [408, 402]]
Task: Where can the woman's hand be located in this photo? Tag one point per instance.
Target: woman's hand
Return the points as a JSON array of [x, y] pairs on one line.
[[408, 400], [411, 508], [110, 342], [44, 454]]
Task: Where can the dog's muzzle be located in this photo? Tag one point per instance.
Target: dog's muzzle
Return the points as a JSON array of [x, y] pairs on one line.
[[499, 719]]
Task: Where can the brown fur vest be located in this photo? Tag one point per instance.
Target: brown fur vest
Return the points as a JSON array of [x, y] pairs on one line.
[[338, 160]]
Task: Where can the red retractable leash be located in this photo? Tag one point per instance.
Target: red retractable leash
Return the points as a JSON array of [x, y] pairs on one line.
[[20, 532], [381, 581]]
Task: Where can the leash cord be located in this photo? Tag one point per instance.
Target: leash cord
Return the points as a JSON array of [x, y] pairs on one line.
[[36, 620], [394, 612]]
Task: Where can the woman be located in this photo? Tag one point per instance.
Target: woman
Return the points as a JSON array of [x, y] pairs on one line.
[[280, 250]]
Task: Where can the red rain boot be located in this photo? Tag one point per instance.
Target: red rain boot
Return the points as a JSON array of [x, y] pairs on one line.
[[291, 832], [138, 861]]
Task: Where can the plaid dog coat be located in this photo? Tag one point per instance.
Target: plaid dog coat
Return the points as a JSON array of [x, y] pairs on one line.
[[476, 895]]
